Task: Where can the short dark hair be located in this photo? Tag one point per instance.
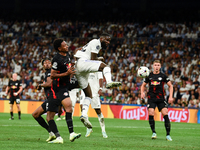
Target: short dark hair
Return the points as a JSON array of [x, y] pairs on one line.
[[57, 43], [104, 34], [43, 60]]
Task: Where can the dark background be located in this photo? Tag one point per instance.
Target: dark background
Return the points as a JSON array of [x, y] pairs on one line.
[[104, 10]]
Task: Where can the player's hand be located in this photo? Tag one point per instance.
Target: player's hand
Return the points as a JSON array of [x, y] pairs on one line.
[[101, 58], [170, 100], [142, 95], [71, 70], [15, 94], [39, 87]]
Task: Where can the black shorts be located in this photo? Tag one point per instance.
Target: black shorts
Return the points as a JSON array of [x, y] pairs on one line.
[[56, 98], [45, 105], [160, 103], [14, 98]]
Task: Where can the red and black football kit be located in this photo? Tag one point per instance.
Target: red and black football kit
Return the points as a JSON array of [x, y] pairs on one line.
[[60, 86], [14, 87], [156, 91]]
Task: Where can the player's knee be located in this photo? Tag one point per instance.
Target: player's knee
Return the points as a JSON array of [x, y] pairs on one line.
[[102, 66], [34, 115]]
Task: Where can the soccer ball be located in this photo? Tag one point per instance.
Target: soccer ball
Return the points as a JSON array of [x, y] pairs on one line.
[[143, 72]]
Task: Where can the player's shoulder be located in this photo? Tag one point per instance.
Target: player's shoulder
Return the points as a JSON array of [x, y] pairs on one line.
[[56, 57], [94, 41], [162, 74]]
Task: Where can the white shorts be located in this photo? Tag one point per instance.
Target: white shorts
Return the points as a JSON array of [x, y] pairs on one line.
[[73, 96], [83, 68]]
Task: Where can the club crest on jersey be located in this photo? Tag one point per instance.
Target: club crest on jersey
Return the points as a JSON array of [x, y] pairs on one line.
[[155, 83], [66, 94], [68, 65], [159, 78]]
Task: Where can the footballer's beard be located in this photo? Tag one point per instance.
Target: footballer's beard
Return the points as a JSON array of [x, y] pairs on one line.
[[103, 45]]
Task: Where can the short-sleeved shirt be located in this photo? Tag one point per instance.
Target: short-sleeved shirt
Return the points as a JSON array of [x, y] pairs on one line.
[[47, 90], [14, 86], [93, 46], [61, 64], [156, 85]]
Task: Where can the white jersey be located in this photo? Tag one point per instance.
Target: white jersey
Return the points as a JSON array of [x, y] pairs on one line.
[[93, 46], [94, 82]]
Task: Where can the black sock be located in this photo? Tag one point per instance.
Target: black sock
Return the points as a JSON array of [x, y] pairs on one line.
[[68, 118], [19, 114], [43, 123], [152, 123], [11, 113], [59, 115], [167, 124], [53, 128]]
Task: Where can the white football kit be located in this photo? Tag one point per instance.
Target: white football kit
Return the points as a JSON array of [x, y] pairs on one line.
[[84, 64], [94, 84]]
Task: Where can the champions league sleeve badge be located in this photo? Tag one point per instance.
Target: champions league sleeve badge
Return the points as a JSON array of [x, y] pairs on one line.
[[98, 47]]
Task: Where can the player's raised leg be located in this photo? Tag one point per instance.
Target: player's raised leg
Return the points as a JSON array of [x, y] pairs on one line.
[[107, 74]]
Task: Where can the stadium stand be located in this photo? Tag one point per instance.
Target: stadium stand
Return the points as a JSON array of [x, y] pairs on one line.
[[24, 43]]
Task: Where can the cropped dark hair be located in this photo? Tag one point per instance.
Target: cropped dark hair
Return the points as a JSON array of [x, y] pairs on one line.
[[104, 34], [57, 43]]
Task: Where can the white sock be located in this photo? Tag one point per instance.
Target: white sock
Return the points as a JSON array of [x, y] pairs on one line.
[[101, 121], [72, 111], [107, 74], [71, 133], [59, 137], [86, 104], [51, 133]]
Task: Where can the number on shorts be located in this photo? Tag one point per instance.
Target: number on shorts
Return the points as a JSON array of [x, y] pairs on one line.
[[47, 106], [17, 101]]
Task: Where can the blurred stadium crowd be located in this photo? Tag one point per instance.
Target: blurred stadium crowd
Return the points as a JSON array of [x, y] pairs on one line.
[[24, 44]]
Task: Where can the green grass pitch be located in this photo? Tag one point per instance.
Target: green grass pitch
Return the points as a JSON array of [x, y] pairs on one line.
[[26, 134]]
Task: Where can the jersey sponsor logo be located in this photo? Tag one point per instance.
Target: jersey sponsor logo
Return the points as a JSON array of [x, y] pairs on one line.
[[155, 83], [68, 65], [16, 84], [178, 115], [55, 64], [66, 94], [138, 113], [13, 87], [159, 78]]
